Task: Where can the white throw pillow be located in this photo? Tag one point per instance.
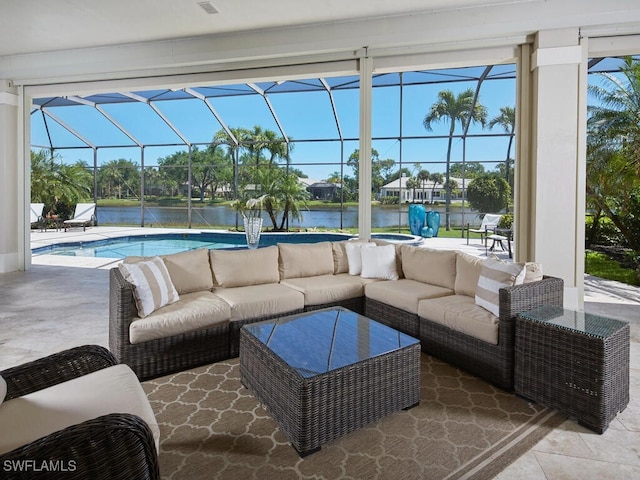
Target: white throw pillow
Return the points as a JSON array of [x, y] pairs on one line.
[[152, 286], [354, 257], [379, 262], [533, 272], [497, 274], [3, 389]]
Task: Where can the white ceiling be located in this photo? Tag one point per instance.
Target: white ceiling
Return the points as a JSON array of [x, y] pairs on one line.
[[31, 26]]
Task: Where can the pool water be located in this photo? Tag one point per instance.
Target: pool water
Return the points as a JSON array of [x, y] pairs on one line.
[[165, 244], [140, 248]]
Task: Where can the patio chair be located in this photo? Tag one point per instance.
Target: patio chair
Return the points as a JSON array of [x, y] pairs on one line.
[[489, 223], [77, 414], [84, 215], [36, 215]]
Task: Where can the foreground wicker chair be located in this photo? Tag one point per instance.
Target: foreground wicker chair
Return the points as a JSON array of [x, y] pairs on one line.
[[113, 446]]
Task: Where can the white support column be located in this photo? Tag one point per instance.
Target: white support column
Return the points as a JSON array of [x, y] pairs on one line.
[[364, 184], [554, 198], [13, 214]]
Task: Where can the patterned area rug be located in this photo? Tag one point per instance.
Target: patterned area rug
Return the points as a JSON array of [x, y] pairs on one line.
[[212, 427]]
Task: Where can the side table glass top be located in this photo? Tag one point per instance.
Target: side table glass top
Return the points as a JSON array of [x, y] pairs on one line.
[[319, 341], [592, 325]]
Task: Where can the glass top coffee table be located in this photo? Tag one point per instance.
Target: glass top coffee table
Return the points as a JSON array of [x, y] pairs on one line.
[[324, 373]]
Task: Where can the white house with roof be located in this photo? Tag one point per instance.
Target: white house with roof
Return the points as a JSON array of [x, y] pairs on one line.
[[428, 191]]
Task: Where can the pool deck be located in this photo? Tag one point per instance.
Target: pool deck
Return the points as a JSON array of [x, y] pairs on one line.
[[51, 237]]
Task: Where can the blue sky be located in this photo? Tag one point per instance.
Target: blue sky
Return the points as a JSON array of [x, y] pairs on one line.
[[303, 115]]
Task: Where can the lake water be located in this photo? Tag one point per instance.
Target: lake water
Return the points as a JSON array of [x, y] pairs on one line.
[[223, 215]]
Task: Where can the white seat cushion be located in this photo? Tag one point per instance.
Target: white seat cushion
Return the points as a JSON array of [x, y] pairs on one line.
[[114, 389], [460, 313], [257, 301], [194, 311], [404, 293], [325, 288]]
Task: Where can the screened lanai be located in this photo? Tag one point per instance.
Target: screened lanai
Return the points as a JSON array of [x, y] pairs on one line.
[[199, 146], [314, 122]]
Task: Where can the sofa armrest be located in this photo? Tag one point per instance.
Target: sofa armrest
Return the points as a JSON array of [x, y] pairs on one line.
[[122, 311], [115, 446], [520, 298], [57, 368]]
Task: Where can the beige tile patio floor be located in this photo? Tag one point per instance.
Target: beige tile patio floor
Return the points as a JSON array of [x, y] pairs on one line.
[[56, 305]]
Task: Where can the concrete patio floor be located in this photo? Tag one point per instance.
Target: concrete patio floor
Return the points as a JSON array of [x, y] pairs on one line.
[[62, 302]]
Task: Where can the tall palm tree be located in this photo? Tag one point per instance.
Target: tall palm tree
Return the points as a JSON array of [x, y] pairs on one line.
[[436, 178], [613, 149], [507, 120], [458, 109], [412, 184], [423, 177], [616, 119]]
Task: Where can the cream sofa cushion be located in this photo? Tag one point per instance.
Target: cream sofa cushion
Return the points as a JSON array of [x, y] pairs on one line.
[[435, 267], [340, 261], [190, 271], [239, 268], [468, 269], [460, 313], [305, 259], [194, 311], [114, 389], [259, 301], [404, 293], [326, 288]]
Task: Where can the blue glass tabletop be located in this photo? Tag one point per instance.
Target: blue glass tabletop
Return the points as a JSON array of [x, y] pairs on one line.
[[577, 321], [319, 341]]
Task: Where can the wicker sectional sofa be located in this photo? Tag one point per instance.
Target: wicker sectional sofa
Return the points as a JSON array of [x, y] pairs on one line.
[[430, 295]]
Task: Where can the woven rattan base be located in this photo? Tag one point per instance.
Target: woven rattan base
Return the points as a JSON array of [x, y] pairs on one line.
[[393, 317], [314, 410], [582, 372]]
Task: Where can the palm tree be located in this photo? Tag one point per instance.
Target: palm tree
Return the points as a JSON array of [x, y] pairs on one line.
[[55, 183], [412, 183], [616, 120], [613, 150], [507, 120], [457, 109], [423, 177], [436, 178], [282, 192]]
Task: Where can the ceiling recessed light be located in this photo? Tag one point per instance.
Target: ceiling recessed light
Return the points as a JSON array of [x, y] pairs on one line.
[[208, 7]]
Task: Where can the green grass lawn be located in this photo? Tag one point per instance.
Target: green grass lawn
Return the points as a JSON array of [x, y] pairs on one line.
[[599, 265]]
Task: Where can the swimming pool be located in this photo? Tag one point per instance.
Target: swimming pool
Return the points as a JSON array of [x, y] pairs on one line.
[[168, 243]]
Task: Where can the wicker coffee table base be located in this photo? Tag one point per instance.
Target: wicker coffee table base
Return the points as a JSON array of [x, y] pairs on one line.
[[316, 410]]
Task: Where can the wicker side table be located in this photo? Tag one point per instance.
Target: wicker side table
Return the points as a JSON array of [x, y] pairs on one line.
[[575, 362]]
